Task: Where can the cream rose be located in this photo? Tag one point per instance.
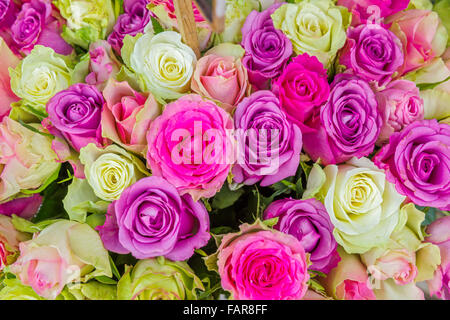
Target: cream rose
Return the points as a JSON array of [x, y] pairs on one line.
[[163, 64], [363, 206]]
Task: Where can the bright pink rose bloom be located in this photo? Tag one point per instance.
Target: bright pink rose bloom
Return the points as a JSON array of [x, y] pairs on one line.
[[190, 146], [439, 232], [9, 60], [37, 24], [302, 88], [103, 64], [221, 78], [25, 207], [382, 8], [127, 115], [399, 104], [423, 37], [261, 264], [349, 280]]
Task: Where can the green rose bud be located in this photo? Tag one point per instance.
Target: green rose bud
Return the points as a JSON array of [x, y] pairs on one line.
[[159, 279]]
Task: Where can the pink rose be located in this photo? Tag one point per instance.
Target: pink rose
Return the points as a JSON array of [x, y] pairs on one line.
[[439, 232], [399, 104], [170, 9], [361, 11], [103, 64], [398, 264], [9, 241], [423, 37], [189, 145], [221, 76], [349, 280], [262, 264], [9, 60], [25, 207], [127, 115]]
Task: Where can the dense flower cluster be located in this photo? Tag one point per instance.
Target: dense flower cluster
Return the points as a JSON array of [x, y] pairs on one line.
[[304, 154]]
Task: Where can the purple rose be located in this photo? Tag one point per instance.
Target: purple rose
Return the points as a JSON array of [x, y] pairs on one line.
[[132, 22], [8, 13], [76, 113], [36, 25], [269, 145], [417, 161], [373, 52], [267, 49], [151, 219], [349, 123], [25, 207], [308, 221]]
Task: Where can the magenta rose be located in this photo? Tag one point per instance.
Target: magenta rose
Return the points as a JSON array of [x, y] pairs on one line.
[[8, 13], [269, 145], [302, 88], [131, 22], [399, 104], [267, 49], [381, 9], [151, 219], [372, 52], [261, 264], [439, 234], [76, 113], [170, 9], [349, 123], [34, 25], [417, 161], [308, 221], [25, 207], [190, 146]]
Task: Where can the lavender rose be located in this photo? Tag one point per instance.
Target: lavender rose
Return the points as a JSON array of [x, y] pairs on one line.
[[267, 49], [34, 25], [76, 112], [132, 22], [373, 52], [308, 221], [417, 161], [349, 122], [151, 219], [399, 104], [268, 144]]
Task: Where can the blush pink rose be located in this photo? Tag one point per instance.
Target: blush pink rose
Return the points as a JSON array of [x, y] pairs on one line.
[[423, 37], [9, 60], [127, 115], [9, 241], [439, 232], [103, 64], [221, 77], [399, 104], [262, 264], [190, 146], [349, 280]]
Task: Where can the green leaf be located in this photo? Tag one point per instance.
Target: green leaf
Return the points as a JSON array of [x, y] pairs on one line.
[[49, 180], [114, 269], [27, 226], [31, 128], [105, 280], [201, 252], [225, 197], [271, 222], [157, 28], [221, 230]]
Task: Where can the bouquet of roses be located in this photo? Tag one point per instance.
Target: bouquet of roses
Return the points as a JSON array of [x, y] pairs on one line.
[[304, 154]]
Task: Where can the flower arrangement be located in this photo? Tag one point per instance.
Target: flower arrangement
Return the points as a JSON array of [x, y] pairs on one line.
[[304, 154]]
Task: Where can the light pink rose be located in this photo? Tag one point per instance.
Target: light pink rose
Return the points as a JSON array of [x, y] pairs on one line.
[[423, 37], [439, 232], [349, 280], [24, 207], [222, 78], [127, 115], [399, 104], [9, 60], [258, 263], [103, 64], [9, 241]]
